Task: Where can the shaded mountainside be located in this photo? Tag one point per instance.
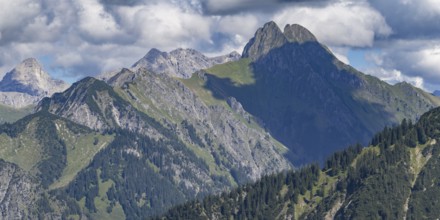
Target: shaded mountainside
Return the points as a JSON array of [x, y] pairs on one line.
[[396, 177], [100, 152], [306, 98]]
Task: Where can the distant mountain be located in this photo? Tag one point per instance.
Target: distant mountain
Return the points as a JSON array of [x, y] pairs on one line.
[[436, 93], [396, 177], [180, 63], [305, 97], [27, 84]]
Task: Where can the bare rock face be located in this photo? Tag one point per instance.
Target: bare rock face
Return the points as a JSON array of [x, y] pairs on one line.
[[17, 192], [180, 63], [270, 36], [298, 33], [18, 99], [28, 83], [222, 131], [266, 38]]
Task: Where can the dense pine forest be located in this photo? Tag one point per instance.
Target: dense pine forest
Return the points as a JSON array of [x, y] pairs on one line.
[[396, 176]]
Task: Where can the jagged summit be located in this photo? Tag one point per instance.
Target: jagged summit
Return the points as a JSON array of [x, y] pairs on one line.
[[270, 36], [180, 63], [298, 33], [266, 38], [28, 79]]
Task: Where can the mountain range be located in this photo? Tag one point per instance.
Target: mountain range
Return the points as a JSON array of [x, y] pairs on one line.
[[180, 126]]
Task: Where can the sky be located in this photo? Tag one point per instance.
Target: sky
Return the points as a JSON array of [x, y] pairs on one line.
[[395, 40]]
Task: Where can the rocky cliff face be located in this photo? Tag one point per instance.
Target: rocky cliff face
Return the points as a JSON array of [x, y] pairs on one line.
[[265, 39], [221, 129], [18, 192], [180, 63], [28, 83], [270, 37], [186, 146]]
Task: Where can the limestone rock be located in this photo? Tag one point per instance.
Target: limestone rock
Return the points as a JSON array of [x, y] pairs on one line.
[[27, 84], [180, 63]]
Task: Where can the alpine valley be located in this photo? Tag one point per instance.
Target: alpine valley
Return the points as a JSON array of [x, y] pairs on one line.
[[226, 133]]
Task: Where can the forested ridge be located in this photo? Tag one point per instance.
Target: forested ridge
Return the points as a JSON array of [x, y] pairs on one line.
[[397, 176]]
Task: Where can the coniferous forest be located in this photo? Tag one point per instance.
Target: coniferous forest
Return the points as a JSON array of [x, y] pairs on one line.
[[395, 177]]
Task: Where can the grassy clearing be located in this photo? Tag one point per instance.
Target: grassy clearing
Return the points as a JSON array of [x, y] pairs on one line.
[[197, 85], [310, 199], [102, 202], [239, 72], [80, 151], [417, 160], [365, 150], [25, 150]]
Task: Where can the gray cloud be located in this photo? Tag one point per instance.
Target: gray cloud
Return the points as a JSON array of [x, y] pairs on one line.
[[121, 2], [76, 38], [231, 7], [411, 18], [411, 52]]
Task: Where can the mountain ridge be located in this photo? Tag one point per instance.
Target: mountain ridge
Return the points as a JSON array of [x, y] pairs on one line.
[[180, 62]]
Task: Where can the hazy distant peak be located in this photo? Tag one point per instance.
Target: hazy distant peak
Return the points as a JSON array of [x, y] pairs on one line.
[[29, 78], [180, 63]]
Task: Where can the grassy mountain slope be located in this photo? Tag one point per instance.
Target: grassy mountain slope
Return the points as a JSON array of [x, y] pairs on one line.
[[131, 151], [395, 177], [48, 152]]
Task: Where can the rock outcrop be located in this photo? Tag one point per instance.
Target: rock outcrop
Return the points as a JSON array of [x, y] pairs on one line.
[[18, 192], [180, 63], [270, 37]]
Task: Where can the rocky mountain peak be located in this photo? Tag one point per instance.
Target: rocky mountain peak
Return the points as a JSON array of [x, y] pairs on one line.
[[152, 55], [21, 78], [298, 33], [265, 39], [270, 36], [29, 79]]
